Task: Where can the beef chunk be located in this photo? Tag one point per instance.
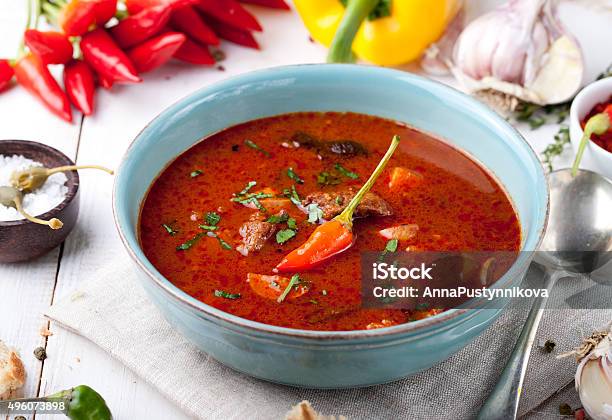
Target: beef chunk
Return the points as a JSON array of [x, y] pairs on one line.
[[255, 232], [347, 148], [332, 203]]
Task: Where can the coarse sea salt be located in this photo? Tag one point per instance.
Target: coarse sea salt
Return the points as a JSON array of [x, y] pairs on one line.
[[51, 194]]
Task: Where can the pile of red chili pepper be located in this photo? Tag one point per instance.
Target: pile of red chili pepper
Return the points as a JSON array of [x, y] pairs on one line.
[[100, 44]]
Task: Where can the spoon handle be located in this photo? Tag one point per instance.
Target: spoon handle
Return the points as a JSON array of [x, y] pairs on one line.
[[503, 401]]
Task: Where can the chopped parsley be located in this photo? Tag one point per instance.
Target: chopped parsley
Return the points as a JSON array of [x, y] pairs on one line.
[[284, 235], [339, 200], [294, 176], [291, 223], [315, 213], [245, 198], [226, 295], [223, 244], [252, 145], [292, 195], [195, 173], [325, 178], [171, 231], [295, 280], [186, 245], [248, 187], [391, 246], [314, 301], [212, 218], [345, 172], [278, 218]]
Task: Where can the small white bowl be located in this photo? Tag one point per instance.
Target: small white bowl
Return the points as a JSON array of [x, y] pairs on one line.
[[595, 158]]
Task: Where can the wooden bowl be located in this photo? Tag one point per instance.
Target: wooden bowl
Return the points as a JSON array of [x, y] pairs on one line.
[[22, 240]]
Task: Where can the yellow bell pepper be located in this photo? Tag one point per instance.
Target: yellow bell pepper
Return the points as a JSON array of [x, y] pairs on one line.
[[402, 36]]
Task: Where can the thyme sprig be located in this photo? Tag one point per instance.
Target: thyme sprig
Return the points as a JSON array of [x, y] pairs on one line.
[[554, 149]]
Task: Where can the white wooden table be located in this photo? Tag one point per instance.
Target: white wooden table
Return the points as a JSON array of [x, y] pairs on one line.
[[27, 289]]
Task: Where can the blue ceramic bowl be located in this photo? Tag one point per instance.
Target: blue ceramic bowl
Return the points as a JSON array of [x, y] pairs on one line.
[[314, 358]]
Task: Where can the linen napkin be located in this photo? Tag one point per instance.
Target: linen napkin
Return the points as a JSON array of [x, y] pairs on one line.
[[113, 311]]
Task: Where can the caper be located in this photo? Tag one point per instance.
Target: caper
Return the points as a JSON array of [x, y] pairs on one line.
[[11, 197]]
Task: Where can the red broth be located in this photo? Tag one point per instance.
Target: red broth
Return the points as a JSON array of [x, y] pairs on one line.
[[605, 140], [456, 204]]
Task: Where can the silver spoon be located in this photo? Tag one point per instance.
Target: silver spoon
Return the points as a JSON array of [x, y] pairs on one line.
[[578, 240]]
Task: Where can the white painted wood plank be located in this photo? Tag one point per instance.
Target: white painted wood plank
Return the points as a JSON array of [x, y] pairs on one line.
[[26, 289]]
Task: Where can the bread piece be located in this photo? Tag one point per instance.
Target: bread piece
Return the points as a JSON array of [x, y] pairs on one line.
[[304, 411], [12, 372]]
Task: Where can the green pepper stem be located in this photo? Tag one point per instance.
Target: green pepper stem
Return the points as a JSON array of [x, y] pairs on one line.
[[346, 217], [341, 49], [52, 171], [597, 124]]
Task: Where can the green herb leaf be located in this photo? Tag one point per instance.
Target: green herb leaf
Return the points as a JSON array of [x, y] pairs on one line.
[[195, 173], [314, 213], [226, 295], [391, 245], [207, 227], [284, 235], [224, 244], [314, 301], [295, 280], [278, 218], [345, 171], [325, 178], [252, 145], [339, 200], [248, 187], [186, 245], [171, 231], [291, 223], [292, 195], [212, 218], [538, 115], [295, 177], [562, 139]]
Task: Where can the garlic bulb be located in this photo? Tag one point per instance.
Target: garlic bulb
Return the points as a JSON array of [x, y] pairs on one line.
[[521, 50], [594, 375]]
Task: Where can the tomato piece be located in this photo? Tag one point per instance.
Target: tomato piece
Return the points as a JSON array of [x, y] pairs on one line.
[[401, 232], [404, 178], [271, 287]]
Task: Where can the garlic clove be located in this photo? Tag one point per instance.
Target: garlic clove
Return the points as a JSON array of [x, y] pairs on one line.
[[596, 391], [560, 76], [594, 375]]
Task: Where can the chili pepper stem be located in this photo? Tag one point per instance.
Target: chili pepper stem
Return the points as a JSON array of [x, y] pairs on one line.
[[76, 167], [346, 217], [52, 223], [597, 124], [341, 50], [51, 12]]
